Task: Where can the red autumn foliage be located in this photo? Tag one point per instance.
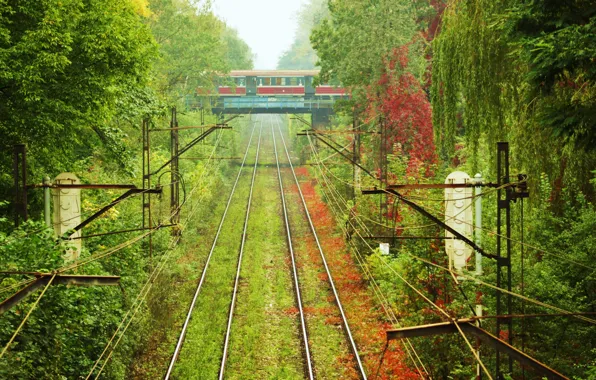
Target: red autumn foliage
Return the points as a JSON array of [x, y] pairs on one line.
[[364, 315], [407, 113]]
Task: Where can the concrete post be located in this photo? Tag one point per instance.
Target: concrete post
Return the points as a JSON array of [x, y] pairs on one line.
[[67, 211], [458, 215]]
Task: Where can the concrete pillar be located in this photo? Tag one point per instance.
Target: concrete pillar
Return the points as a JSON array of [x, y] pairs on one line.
[[458, 215], [320, 118], [67, 211]]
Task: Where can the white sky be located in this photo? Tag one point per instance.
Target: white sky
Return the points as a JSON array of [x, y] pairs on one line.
[[267, 26]]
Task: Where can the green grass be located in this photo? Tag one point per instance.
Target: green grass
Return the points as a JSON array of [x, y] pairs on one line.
[[327, 340], [265, 338], [201, 353], [265, 341]]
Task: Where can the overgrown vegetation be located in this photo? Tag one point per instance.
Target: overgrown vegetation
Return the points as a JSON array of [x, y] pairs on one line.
[[434, 85], [78, 76], [443, 84]]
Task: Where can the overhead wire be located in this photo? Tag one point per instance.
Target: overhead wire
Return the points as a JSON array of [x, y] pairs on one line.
[[589, 320], [385, 304], [108, 252], [417, 291], [14, 335], [327, 270], [295, 276], [149, 283], [60, 270], [206, 266], [66, 268], [525, 298], [376, 288], [537, 249], [240, 257]]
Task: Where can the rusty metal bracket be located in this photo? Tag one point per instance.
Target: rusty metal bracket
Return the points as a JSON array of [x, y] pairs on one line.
[[422, 186], [421, 210], [467, 326], [112, 204], [82, 186], [44, 278]]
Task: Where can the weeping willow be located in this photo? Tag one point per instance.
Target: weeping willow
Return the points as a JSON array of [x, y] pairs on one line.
[[481, 94]]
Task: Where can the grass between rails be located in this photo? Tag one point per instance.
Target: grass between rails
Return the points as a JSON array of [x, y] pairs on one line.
[[265, 341], [329, 348], [168, 302], [201, 353], [366, 319]]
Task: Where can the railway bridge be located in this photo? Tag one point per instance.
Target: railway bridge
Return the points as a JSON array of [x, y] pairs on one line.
[[271, 92]]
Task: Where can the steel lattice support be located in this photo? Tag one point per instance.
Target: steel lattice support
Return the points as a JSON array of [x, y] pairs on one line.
[[503, 207], [175, 173], [147, 221]]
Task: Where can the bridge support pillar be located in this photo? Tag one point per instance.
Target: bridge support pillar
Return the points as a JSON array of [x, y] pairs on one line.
[[320, 118]]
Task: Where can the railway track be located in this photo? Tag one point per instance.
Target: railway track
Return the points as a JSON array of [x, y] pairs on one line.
[[239, 267], [308, 362], [206, 266], [303, 330], [348, 332]]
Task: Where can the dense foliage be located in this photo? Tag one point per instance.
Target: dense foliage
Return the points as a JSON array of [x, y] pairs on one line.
[[519, 72], [77, 77], [301, 56], [463, 77]]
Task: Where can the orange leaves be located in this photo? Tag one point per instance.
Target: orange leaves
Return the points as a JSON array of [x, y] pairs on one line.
[[366, 319]]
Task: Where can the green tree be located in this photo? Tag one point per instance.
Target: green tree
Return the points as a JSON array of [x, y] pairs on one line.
[[65, 69], [238, 53], [301, 55], [355, 43], [195, 48]]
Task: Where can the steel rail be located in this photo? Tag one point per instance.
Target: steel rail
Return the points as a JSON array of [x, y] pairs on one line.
[[203, 274], [350, 339], [239, 267], [307, 354]]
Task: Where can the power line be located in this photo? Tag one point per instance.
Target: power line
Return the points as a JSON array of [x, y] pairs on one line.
[[376, 288], [14, 335], [430, 302], [149, 284]]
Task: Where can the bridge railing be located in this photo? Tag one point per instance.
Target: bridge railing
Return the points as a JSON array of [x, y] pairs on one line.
[[259, 102]]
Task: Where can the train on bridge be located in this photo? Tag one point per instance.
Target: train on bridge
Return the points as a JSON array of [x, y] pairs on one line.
[[275, 83]]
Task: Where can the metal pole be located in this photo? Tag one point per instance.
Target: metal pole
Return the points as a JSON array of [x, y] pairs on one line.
[[504, 204], [478, 232], [498, 295], [175, 174], [46, 202], [147, 222], [508, 247], [478, 240]]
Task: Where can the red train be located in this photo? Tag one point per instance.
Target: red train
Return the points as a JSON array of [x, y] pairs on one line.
[[277, 83]]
